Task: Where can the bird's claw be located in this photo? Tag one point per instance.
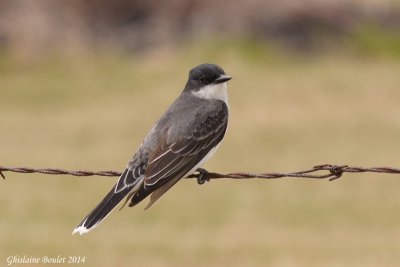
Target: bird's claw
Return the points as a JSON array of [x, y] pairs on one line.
[[202, 177]]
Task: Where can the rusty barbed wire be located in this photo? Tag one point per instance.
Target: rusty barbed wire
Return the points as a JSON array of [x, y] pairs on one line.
[[331, 172], [57, 171]]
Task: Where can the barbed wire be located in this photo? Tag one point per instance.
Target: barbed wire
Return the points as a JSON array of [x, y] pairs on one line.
[[329, 171]]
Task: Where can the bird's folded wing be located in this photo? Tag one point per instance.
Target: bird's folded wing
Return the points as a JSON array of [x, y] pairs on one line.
[[180, 157]]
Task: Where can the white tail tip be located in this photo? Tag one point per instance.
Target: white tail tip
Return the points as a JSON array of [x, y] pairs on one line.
[[81, 230]]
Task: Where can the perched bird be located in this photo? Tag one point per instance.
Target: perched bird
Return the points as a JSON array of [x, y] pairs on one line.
[[181, 141]]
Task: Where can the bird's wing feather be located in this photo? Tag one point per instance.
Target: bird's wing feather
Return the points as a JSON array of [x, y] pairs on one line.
[[185, 166], [171, 162], [185, 153]]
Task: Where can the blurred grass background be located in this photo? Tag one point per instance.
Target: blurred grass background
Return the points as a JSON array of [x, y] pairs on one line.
[[334, 101]]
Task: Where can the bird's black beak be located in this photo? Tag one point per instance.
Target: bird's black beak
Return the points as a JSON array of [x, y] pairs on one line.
[[222, 78]]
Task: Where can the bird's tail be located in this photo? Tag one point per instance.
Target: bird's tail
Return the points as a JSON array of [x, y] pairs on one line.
[[100, 212]]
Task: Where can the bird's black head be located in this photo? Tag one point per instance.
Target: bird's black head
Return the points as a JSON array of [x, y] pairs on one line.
[[205, 74]]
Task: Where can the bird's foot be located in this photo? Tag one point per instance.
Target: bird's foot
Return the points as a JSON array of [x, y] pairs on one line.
[[202, 177]]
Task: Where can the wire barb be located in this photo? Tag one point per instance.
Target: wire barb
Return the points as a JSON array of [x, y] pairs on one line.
[[330, 172]]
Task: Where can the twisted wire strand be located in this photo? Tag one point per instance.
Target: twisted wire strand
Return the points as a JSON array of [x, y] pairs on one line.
[[329, 171]]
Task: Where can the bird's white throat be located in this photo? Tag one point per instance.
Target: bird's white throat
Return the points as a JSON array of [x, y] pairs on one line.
[[214, 91]]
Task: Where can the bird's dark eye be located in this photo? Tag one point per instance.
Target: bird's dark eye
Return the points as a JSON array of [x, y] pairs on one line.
[[202, 80]]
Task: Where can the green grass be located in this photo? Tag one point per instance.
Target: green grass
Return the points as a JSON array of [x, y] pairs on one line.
[[287, 113], [377, 41]]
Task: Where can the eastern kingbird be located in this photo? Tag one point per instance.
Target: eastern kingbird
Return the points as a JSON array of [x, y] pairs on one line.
[[181, 141]]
